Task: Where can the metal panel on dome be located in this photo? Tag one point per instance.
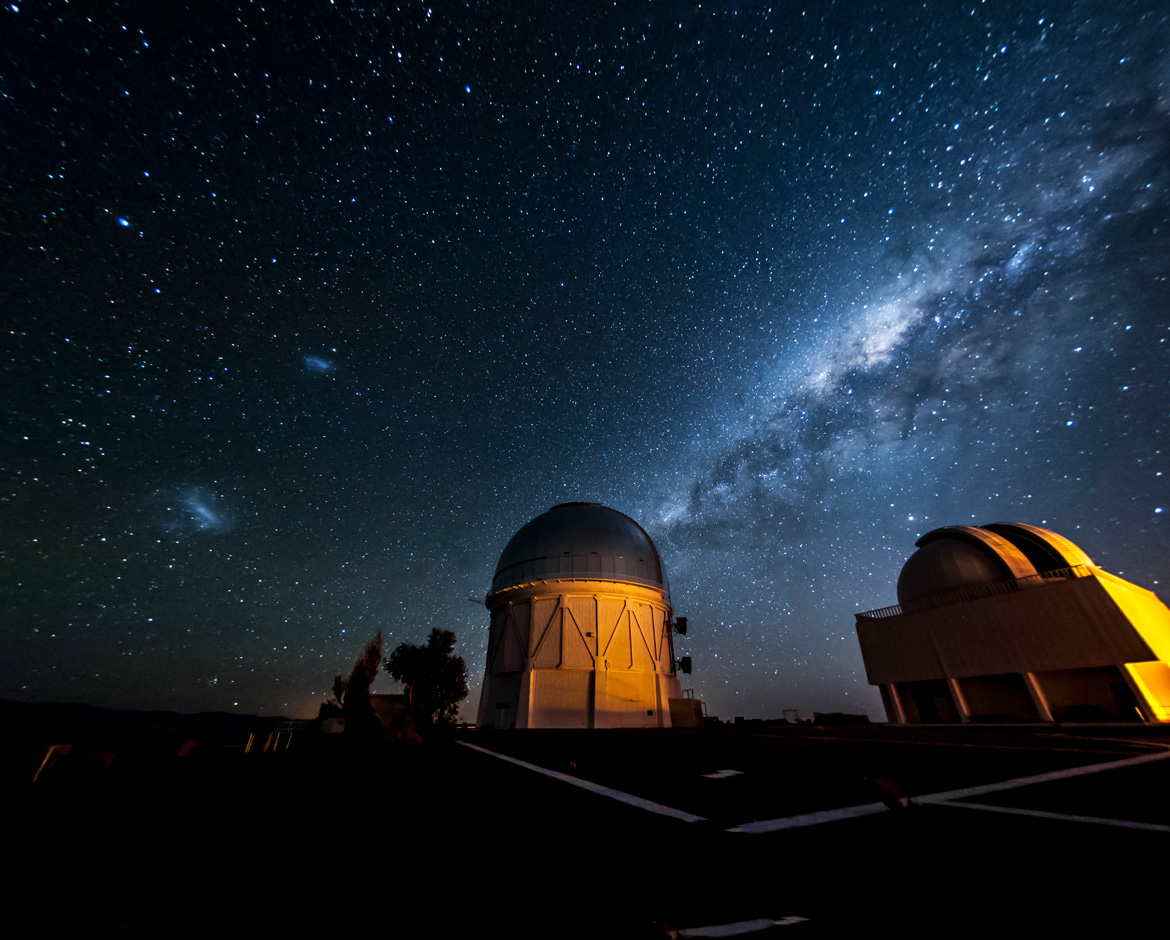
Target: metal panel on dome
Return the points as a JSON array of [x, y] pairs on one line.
[[944, 565], [1015, 563], [580, 541], [1047, 550]]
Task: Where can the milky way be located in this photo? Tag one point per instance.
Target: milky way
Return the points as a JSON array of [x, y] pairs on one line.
[[310, 309]]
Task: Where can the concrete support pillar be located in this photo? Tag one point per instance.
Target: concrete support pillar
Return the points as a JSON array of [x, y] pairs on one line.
[[895, 711], [1039, 699], [959, 699], [1150, 684]]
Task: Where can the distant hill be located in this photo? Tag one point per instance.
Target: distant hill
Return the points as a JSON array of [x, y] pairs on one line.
[[66, 721]]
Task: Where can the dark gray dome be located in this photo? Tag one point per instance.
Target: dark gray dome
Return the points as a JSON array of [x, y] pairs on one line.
[[945, 565], [956, 557], [580, 541]]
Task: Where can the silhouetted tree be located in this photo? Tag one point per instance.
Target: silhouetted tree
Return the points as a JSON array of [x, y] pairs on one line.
[[365, 670], [434, 678], [351, 697], [334, 707]]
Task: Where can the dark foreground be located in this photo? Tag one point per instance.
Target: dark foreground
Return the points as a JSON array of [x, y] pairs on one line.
[[440, 840]]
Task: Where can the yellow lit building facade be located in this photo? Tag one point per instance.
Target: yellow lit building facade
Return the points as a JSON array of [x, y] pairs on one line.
[[1012, 622]]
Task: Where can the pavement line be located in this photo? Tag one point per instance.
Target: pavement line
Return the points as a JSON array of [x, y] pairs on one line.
[[948, 797], [810, 819], [1004, 747], [1066, 774], [597, 788], [737, 929], [1063, 817]]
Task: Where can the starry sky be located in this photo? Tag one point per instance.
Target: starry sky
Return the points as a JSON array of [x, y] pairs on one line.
[[309, 306]]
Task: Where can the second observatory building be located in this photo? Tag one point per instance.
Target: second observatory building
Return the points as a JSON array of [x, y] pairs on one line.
[[581, 631], [1012, 622]]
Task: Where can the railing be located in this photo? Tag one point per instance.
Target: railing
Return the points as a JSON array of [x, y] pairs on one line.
[[977, 591], [690, 693]]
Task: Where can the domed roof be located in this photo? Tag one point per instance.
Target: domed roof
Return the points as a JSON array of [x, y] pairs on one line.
[[580, 541], [956, 557]]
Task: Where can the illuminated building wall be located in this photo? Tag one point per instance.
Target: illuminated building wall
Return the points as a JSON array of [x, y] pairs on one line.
[[581, 629], [1013, 622]]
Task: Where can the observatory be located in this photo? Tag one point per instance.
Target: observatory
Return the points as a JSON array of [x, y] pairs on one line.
[[581, 628], [1011, 622]]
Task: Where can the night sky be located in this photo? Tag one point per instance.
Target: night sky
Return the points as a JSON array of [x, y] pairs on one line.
[[308, 308]]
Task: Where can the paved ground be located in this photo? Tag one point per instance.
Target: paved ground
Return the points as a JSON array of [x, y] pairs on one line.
[[735, 777], [446, 840]]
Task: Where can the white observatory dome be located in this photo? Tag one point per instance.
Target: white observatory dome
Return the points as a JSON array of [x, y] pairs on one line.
[[576, 541], [582, 626]]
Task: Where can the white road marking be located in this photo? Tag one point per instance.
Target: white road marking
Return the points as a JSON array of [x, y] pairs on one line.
[[1064, 817], [999, 746], [945, 798], [1066, 774], [810, 819], [737, 929], [723, 774], [949, 798], [628, 798]]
